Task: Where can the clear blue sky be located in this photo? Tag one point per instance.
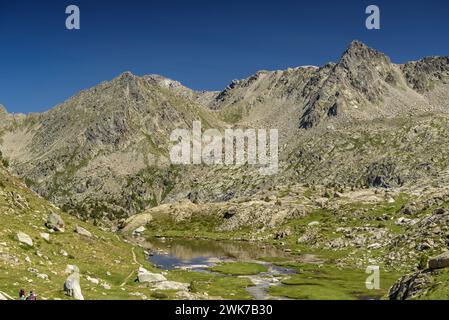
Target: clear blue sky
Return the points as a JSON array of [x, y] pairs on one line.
[[203, 44]]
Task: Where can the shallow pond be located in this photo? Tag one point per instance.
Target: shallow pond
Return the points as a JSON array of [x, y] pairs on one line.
[[170, 254]]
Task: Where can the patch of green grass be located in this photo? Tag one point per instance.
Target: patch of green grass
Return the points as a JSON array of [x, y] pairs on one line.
[[214, 285], [225, 287], [309, 292], [239, 268], [275, 259], [439, 286], [328, 282], [189, 276]]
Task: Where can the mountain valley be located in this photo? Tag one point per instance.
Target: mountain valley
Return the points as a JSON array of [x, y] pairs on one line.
[[362, 181]]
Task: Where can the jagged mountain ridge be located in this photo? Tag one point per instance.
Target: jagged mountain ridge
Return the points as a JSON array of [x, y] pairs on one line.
[[104, 152], [364, 84]]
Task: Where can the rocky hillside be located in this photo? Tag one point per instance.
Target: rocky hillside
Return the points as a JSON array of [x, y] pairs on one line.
[[362, 121], [36, 252]]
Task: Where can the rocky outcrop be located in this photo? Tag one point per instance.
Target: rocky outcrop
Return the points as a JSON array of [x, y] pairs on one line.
[[55, 222], [383, 175], [24, 238], [425, 74], [417, 284], [171, 285], [410, 286], [144, 276], [440, 261]]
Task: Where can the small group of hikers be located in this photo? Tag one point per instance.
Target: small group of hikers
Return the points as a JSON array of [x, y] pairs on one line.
[[23, 296]]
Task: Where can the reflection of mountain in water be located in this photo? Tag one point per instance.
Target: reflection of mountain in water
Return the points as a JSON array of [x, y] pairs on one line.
[[188, 249]]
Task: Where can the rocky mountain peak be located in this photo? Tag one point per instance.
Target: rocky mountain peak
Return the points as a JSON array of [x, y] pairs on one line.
[[163, 82], [125, 80], [359, 52], [357, 45], [153, 79], [126, 75]]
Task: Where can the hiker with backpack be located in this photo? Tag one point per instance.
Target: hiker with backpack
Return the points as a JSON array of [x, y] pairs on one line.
[[32, 296]]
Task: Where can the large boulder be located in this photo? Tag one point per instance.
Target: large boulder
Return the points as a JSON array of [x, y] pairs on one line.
[[171, 285], [83, 232], [24, 238], [2, 297], [145, 276], [72, 286], [440, 261], [55, 222]]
